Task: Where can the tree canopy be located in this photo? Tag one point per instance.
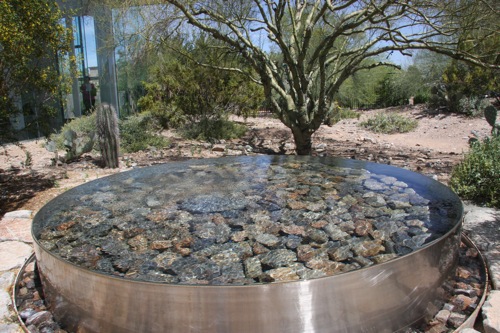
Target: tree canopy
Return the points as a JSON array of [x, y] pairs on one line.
[[30, 37]]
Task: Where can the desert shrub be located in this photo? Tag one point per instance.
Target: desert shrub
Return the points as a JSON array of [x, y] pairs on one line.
[[339, 114], [452, 99], [389, 123], [139, 132], [83, 126], [477, 177], [157, 103], [213, 129], [472, 106], [461, 87]]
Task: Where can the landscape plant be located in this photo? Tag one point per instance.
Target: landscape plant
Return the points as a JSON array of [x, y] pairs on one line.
[[389, 123], [477, 177], [213, 129], [396, 87], [140, 132], [491, 115], [461, 91], [83, 126], [76, 138]]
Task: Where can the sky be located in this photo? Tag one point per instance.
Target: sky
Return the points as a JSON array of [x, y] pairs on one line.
[[90, 44]]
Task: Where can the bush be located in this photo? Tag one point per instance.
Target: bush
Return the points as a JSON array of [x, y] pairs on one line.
[[389, 123], [477, 178], [213, 129], [340, 114], [83, 127], [139, 132], [472, 106]]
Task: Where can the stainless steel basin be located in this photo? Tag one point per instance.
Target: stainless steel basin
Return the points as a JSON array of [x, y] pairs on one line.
[[384, 297]]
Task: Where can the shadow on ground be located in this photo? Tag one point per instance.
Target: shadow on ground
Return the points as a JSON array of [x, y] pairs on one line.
[[17, 186]]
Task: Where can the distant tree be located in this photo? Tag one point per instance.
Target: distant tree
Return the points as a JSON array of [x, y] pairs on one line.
[[361, 89], [317, 45], [398, 86], [182, 93], [463, 83], [31, 37]]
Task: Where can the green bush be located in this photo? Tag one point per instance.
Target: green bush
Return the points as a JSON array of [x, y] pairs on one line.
[[340, 114], [477, 178], [139, 132], [389, 123], [213, 129], [449, 98], [472, 106], [83, 126]]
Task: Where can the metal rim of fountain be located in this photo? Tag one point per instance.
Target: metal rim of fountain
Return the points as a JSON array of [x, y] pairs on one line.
[[469, 323]]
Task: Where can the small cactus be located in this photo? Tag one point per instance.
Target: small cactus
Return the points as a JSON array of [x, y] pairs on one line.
[[490, 113], [108, 134]]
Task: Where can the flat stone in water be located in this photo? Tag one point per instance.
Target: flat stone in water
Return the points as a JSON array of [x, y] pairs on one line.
[[278, 258], [213, 203]]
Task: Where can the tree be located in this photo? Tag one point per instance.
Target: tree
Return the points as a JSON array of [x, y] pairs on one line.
[[30, 39], [462, 83], [360, 90], [396, 87], [181, 94], [319, 44]]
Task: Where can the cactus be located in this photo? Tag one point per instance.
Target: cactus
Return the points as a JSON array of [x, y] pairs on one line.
[[108, 134], [490, 113]]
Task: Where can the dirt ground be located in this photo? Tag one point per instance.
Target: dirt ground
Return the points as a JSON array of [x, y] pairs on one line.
[[437, 144]]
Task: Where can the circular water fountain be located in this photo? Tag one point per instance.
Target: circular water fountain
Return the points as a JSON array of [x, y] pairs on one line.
[[248, 244]]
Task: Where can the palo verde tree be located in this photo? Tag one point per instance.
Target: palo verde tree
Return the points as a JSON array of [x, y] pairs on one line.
[[302, 51], [30, 39]]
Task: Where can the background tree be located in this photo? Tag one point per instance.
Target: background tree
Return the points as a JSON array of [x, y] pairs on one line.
[[463, 85], [31, 36], [361, 89], [396, 87], [319, 44], [198, 99]]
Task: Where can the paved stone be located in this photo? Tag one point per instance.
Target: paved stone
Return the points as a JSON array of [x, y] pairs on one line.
[[482, 225], [6, 280], [491, 312], [469, 330], [5, 303], [18, 229], [18, 214], [13, 255], [10, 328]]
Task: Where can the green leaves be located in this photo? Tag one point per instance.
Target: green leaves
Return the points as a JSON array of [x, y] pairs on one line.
[[390, 123], [477, 178], [183, 93], [30, 39]]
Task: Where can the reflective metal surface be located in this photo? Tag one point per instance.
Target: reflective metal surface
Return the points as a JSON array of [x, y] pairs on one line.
[[381, 298]]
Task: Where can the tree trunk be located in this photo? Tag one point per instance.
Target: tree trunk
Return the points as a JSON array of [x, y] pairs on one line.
[[303, 141]]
